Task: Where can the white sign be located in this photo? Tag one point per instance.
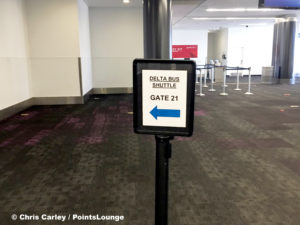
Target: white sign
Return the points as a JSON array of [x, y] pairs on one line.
[[164, 98]]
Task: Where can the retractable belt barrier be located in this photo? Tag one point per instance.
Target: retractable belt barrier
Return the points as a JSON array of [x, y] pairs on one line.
[[201, 86], [206, 68], [212, 67], [238, 76]]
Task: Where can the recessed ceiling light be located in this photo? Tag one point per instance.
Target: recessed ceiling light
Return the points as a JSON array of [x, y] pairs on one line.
[[233, 18], [126, 1], [243, 10]]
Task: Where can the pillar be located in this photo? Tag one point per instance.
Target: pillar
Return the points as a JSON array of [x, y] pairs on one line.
[[283, 49], [157, 29]]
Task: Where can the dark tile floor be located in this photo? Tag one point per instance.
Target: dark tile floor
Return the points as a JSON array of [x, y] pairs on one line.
[[241, 167]]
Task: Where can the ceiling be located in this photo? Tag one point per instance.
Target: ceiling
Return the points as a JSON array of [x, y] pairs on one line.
[[183, 12], [199, 11]]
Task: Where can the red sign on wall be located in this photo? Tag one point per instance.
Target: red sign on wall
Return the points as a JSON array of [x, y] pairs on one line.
[[184, 51]]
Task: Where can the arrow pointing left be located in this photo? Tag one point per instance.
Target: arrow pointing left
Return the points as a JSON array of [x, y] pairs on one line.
[[174, 113]]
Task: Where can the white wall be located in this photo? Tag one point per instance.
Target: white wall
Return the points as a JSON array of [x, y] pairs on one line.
[[192, 37], [14, 69], [252, 46], [85, 46], [217, 44], [54, 47], [116, 39]]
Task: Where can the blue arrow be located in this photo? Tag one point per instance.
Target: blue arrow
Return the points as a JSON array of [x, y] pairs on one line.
[[155, 112]]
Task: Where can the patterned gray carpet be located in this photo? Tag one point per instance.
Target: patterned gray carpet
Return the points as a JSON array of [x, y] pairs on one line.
[[241, 167]]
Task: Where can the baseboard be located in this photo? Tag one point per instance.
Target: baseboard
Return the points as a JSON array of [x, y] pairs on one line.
[[106, 91], [286, 81], [269, 80], [14, 109], [87, 96], [19, 107], [58, 100]]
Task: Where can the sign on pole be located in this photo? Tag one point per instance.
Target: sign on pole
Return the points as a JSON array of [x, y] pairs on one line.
[[184, 51], [164, 97]]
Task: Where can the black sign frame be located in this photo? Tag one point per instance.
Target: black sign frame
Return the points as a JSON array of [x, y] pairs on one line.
[[154, 64]]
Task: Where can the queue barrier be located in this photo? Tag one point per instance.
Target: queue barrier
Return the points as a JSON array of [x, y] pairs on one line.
[[212, 67]]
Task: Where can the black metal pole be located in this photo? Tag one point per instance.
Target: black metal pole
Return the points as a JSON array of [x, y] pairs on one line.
[[163, 153], [157, 29]]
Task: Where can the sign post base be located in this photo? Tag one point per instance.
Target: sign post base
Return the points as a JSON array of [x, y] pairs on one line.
[[223, 94]]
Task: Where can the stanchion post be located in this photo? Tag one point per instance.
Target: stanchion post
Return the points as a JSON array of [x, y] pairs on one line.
[[213, 73], [249, 84], [197, 79], [237, 81], [224, 83], [163, 154], [225, 74], [205, 78], [201, 87], [197, 82], [212, 81]]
